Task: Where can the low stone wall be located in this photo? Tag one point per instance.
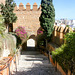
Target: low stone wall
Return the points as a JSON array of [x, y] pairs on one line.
[[7, 45]]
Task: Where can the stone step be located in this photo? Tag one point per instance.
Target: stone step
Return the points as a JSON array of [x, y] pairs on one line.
[[30, 53], [34, 63], [34, 56]]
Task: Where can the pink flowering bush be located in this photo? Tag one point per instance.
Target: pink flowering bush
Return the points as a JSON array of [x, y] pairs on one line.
[[39, 32], [21, 32]]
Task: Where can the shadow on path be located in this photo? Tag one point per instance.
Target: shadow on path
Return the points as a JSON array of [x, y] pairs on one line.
[[33, 63]]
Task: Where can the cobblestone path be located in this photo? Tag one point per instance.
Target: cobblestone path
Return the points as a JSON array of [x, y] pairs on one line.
[[34, 63]]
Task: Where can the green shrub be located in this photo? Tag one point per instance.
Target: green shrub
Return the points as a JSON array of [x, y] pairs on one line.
[[41, 40], [66, 53], [67, 25], [18, 40]]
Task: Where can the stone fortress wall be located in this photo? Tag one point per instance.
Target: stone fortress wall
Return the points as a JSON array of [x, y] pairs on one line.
[[27, 17]]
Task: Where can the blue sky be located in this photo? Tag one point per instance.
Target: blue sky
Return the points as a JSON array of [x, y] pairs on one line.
[[63, 8]]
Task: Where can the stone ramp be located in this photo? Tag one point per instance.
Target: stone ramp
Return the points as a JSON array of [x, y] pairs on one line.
[[34, 63]]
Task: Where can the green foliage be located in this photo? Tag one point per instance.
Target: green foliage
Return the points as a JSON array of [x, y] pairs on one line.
[[66, 53], [70, 41], [47, 17], [67, 25], [18, 41], [2, 26], [40, 40], [7, 11]]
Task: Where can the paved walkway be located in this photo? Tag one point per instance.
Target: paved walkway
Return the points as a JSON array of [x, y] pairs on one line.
[[34, 63]]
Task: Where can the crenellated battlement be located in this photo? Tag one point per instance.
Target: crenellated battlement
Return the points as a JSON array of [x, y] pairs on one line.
[[28, 7], [58, 34], [58, 37], [27, 17]]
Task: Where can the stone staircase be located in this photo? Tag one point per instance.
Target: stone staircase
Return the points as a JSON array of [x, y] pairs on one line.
[[34, 63]]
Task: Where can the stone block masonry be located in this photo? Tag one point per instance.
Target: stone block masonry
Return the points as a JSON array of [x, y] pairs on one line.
[[29, 18]]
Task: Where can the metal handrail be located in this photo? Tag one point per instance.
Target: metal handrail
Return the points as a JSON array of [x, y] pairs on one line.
[[7, 64]]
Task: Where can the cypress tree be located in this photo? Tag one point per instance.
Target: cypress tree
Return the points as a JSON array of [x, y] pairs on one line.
[[47, 17], [8, 14]]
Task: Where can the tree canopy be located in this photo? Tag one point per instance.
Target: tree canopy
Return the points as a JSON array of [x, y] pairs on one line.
[[7, 11], [47, 17]]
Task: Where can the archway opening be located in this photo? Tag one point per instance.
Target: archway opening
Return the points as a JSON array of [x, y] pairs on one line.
[[31, 43]]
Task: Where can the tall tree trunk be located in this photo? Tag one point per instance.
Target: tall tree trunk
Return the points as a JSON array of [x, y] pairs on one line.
[[10, 27], [48, 50]]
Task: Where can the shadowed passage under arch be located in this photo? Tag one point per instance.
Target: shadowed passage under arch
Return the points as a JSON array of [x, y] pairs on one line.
[[31, 43]]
